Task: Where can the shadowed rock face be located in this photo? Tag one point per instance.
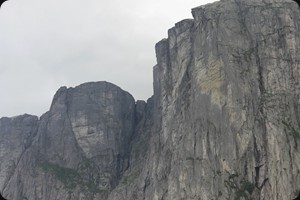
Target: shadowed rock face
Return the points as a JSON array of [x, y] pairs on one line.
[[82, 145], [16, 135], [226, 93], [1, 197], [223, 123]]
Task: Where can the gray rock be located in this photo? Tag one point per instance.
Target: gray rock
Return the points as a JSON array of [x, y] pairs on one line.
[[223, 122], [226, 92], [81, 148], [16, 136]]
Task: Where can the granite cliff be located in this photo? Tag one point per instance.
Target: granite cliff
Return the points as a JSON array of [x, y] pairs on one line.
[[223, 123]]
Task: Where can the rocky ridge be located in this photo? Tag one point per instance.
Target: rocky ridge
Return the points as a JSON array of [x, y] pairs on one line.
[[80, 148], [223, 122]]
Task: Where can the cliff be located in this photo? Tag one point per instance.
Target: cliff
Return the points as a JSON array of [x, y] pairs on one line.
[[223, 123], [81, 146]]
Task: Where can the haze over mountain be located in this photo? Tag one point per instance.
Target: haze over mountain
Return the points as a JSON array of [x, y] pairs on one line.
[[223, 122], [52, 43]]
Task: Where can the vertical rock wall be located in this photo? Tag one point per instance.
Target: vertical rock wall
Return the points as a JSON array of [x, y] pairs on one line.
[[227, 93], [81, 148], [16, 136], [224, 121]]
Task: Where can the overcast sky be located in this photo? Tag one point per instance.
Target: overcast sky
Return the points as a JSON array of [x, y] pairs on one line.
[[45, 44]]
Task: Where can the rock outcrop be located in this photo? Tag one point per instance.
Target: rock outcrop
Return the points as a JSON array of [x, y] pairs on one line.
[[226, 92], [16, 135], [223, 123], [81, 147]]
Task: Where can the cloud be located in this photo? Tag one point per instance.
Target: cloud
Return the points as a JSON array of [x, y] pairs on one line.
[[45, 44]]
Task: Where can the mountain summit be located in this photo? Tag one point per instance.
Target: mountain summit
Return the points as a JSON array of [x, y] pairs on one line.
[[223, 123]]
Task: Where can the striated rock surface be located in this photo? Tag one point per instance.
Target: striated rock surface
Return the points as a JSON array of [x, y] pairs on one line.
[[16, 135], [81, 148], [226, 93], [223, 123]]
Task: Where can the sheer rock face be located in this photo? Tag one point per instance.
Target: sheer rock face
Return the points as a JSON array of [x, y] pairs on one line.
[[81, 147], [226, 92], [224, 121], [16, 136]]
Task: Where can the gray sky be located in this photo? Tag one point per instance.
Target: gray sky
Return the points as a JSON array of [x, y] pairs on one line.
[[45, 44]]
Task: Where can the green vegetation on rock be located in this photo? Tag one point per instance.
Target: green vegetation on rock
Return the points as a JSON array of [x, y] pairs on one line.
[[69, 177], [72, 178], [288, 125], [130, 178], [242, 190]]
